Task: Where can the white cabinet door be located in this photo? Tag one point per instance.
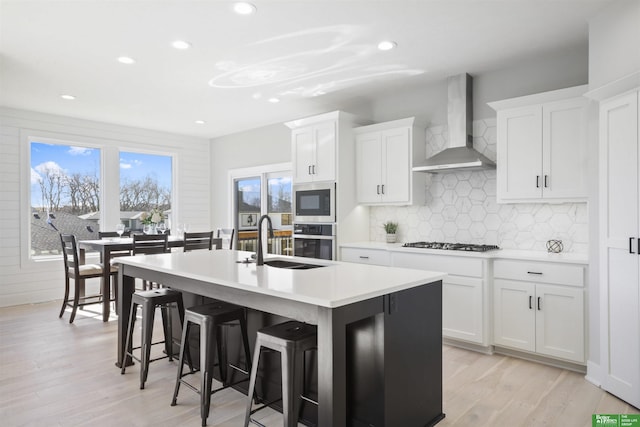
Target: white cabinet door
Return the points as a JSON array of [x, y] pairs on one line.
[[620, 230], [519, 153], [303, 154], [514, 314], [325, 151], [383, 166], [314, 153], [396, 167], [560, 322], [564, 148], [369, 167], [462, 308]]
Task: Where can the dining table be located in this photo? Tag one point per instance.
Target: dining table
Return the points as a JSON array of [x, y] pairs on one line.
[[109, 246]]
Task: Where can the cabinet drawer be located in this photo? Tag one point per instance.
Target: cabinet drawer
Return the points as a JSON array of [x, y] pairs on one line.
[[457, 265], [365, 256], [539, 272]]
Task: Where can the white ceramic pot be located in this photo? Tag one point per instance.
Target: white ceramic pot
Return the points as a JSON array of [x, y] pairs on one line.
[[391, 238]]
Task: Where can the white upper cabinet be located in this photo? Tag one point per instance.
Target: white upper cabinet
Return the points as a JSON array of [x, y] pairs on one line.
[[314, 152], [384, 157], [541, 151]]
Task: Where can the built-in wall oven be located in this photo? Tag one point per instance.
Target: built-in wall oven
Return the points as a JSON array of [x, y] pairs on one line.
[[314, 240], [314, 203]]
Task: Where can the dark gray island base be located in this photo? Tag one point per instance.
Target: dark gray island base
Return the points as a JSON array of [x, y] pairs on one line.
[[379, 360]]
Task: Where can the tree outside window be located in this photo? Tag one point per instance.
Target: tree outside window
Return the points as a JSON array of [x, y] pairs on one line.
[[65, 194], [145, 185]]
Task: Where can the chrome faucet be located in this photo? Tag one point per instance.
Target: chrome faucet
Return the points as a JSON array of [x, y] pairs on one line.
[[259, 257]]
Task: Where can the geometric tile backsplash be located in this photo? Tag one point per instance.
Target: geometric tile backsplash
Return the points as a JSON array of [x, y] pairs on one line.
[[461, 207]]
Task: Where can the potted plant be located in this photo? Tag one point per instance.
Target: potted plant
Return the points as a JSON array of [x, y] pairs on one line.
[[390, 228]]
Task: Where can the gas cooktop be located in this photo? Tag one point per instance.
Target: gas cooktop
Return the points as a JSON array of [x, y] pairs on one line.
[[470, 247]]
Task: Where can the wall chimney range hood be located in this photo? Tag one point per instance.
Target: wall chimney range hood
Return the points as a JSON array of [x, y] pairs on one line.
[[459, 154]]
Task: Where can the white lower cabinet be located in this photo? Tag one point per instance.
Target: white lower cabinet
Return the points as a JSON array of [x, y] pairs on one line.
[[464, 303], [533, 312]]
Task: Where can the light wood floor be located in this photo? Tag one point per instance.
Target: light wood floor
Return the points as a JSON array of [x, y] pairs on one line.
[[56, 374]]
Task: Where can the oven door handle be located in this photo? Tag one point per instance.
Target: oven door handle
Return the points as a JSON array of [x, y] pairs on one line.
[[313, 237]]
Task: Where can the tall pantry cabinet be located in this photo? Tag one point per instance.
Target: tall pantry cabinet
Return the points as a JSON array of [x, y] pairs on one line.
[[620, 245]]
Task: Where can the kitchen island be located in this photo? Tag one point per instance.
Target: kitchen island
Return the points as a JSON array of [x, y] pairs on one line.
[[399, 310]]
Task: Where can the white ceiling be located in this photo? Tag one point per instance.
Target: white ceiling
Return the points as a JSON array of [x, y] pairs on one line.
[[293, 50]]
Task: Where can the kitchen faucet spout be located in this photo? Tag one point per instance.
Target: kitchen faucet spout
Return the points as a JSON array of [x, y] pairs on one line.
[[259, 256]]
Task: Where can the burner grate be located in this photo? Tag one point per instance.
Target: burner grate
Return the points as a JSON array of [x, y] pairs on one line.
[[470, 247]]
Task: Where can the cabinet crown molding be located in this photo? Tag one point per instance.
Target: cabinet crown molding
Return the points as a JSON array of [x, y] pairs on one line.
[[326, 117], [539, 98], [409, 121]]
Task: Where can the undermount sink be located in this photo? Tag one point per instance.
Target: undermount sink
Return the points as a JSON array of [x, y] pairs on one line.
[[291, 265]]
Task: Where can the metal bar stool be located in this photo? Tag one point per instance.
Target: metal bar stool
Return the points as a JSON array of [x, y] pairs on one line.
[[149, 300], [210, 317], [291, 339]]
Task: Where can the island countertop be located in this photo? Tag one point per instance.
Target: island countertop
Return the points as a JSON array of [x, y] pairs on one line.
[[334, 285]]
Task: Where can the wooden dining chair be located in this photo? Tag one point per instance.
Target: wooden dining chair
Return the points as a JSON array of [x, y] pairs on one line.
[[200, 240], [226, 233], [150, 244], [78, 272]]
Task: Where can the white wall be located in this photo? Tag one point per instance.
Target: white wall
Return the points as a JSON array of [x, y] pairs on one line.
[[614, 43], [522, 76], [25, 281], [428, 103], [257, 147]]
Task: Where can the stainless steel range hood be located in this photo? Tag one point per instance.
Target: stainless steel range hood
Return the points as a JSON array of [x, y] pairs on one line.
[[459, 154]]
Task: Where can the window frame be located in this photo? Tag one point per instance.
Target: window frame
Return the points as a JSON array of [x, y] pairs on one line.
[[109, 182]]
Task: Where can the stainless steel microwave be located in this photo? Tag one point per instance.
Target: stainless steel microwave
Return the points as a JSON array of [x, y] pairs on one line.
[[314, 202]]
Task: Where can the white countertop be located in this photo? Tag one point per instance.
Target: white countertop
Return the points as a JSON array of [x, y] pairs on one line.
[[564, 257], [335, 285]]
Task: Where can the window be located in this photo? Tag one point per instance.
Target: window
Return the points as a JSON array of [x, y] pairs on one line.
[[250, 188], [248, 202], [145, 184], [65, 194]]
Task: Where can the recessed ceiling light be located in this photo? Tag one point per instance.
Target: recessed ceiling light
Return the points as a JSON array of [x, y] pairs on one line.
[[126, 60], [181, 44], [68, 97], [387, 45], [244, 8], [274, 100], [200, 122]]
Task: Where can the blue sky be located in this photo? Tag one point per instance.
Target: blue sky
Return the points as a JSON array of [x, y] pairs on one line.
[[73, 159]]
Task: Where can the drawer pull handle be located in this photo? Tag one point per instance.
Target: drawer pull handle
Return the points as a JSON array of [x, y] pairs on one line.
[[631, 245], [530, 298], [534, 272], [364, 257], [537, 181], [539, 304]]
